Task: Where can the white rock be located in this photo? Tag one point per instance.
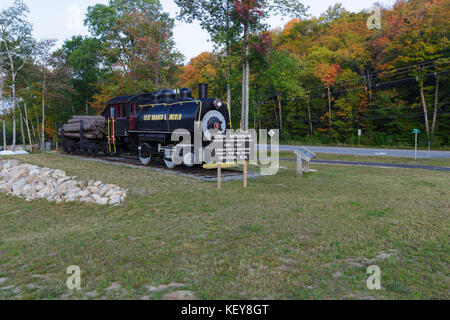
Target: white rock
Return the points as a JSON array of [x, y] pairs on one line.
[[115, 201], [102, 201], [32, 182]]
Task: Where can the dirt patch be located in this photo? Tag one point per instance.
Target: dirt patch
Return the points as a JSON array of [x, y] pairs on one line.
[[91, 294], [12, 289], [357, 296], [34, 286], [365, 262], [164, 287], [180, 295], [113, 287]]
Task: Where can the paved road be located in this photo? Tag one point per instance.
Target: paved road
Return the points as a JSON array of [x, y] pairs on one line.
[[370, 152], [376, 164]]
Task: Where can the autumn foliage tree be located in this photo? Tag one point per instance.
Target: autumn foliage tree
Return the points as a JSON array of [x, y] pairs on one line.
[[200, 69], [327, 74], [137, 38]]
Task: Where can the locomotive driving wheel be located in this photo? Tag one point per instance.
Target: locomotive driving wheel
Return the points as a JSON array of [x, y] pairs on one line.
[[169, 164], [145, 155]]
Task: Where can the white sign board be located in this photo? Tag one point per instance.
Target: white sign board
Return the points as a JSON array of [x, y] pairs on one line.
[[235, 147], [305, 154]]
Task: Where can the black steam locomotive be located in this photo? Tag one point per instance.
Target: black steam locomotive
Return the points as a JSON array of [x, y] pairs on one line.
[[143, 124]]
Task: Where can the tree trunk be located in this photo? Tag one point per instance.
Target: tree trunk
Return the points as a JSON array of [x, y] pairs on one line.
[[370, 85], [14, 111], [281, 115], [4, 134], [4, 129], [31, 120], [258, 115], [245, 80], [425, 110], [34, 134], [38, 127], [228, 52], [309, 116], [228, 79], [329, 110], [43, 117], [24, 143], [28, 127], [3, 104], [436, 102]]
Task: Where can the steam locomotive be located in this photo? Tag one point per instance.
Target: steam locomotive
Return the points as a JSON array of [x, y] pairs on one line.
[[143, 125]]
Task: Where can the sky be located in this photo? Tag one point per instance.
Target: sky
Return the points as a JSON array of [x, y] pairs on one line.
[[62, 19]]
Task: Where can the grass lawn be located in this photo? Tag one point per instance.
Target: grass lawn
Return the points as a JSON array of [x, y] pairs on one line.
[[281, 238]]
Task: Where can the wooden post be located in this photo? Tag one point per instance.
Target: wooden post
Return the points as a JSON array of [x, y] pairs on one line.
[[245, 174], [219, 176]]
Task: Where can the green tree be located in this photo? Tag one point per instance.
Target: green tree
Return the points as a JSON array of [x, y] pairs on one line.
[[137, 36], [283, 76], [84, 56], [18, 44], [214, 17]]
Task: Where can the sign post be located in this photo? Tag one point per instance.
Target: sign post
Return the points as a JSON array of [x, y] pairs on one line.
[[416, 132], [219, 175], [303, 155], [359, 136], [245, 174]]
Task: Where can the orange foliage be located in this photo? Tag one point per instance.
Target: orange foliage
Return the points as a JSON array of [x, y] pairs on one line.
[[200, 69], [288, 26], [327, 73]]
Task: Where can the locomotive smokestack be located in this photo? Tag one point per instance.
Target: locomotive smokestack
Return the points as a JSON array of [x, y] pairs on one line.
[[202, 91]]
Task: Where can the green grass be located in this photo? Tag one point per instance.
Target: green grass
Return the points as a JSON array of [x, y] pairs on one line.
[[281, 238]]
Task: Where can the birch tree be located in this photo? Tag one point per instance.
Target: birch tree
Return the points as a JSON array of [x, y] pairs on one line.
[[44, 48], [15, 33]]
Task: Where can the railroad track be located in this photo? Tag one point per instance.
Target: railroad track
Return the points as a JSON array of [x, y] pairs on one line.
[[158, 165]]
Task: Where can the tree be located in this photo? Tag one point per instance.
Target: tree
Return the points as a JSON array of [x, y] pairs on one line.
[[201, 69], [250, 14], [84, 56], [137, 37], [327, 74], [15, 34], [44, 55], [417, 34], [214, 17], [283, 75], [2, 87]]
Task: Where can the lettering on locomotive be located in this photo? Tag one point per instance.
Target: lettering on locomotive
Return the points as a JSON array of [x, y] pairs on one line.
[[175, 116], [172, 117]]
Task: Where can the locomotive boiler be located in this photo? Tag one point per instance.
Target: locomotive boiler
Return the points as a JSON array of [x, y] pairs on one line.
[[143, 125]]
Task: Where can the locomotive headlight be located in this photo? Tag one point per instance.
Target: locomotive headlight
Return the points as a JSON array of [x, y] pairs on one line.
[[218, 103]]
